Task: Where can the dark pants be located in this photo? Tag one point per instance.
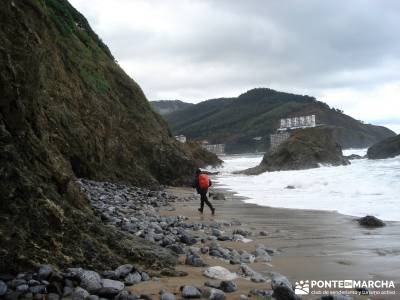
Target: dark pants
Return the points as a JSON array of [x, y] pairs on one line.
[[204, 199]]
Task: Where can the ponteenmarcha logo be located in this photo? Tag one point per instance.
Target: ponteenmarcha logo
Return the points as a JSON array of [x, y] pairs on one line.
[[302, 287]]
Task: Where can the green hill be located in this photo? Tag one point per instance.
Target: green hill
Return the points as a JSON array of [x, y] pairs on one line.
[[256, 113]]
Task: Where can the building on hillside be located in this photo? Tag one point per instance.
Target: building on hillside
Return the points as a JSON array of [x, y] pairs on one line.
[[218, 149], [181, 138], [289, 124]]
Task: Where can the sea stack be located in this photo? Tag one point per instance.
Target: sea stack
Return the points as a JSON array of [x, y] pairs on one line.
[[304, 149]]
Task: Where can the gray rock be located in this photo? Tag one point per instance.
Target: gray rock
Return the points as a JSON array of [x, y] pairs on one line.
[[3, 288], [45, 271], [190, 292], [228, 286], [246, 257], [264, 233], [213, 294], [80, 294], [283, 289], [220, 273], [110, 288], [123, 271], [167, 296], [371, 221], [33, 282], [125, 295], [23, 288], [249, 272], [90, 280], [38, 289], [194, 260], [145, 276], [243, 297], [216, 232], [133, 278], [262, 255], [93, 297]]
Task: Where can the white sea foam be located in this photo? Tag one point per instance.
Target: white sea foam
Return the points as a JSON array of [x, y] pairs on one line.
[[365, 187]]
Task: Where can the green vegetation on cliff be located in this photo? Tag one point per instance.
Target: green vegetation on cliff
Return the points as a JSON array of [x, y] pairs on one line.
[[68, 110], [256, 113]]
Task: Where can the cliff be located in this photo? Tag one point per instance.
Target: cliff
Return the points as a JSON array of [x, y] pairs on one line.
[[305, 149], [68, 110], [385, 149]]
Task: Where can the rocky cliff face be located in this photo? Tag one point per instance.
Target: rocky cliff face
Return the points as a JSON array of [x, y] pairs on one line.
[[68, 110], [385, 149], [305, 149]]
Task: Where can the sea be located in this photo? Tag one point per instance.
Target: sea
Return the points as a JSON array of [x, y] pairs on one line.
[[366, 187]]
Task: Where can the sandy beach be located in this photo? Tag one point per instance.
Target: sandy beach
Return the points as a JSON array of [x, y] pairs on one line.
[[311, 245]]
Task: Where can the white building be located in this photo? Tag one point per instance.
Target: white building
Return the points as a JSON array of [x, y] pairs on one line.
[[181, 138], [297, 122]]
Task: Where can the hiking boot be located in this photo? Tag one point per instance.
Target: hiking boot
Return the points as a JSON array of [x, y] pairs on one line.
[[200, 210], [213, 211]]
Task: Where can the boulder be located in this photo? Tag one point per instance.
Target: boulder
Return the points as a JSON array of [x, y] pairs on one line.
[[371, 221], [133, 278], [90, 280], [123, 271], [304, 149], [110, 288], [220, 273], [283, 289]]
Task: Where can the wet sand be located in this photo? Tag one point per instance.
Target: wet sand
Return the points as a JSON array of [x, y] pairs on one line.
[[312, 245]]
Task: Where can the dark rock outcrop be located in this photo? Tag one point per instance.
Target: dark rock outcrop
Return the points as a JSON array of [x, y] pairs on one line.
[[305, 149], [371, 221], [68, 110], [385, 149]]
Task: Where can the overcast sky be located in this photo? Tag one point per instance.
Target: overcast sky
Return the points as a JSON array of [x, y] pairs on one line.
[[345, 53]]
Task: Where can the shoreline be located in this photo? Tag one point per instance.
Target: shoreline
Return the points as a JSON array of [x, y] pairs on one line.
[[311, 244]]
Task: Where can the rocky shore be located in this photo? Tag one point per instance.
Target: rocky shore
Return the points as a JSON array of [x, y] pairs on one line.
[[222, 254], [137, 211]]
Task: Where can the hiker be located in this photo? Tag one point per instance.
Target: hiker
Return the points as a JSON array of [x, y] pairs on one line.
[[201, 183]]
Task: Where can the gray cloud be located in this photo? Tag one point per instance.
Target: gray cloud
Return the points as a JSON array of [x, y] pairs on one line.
[[342, 51]]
